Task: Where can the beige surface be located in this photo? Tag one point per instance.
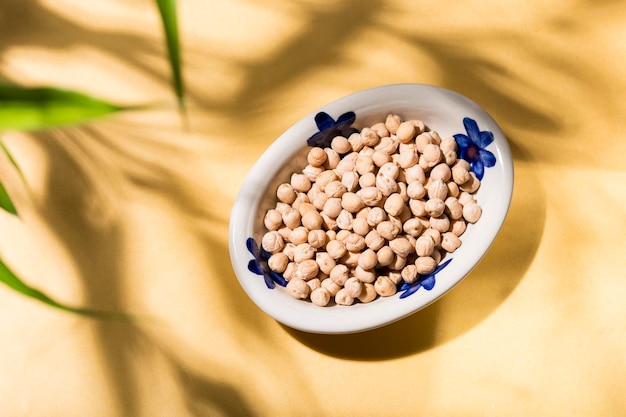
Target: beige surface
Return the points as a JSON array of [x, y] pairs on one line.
[[132, 213]]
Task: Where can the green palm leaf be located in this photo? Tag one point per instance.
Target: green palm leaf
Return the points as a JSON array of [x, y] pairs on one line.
[[167, 10]]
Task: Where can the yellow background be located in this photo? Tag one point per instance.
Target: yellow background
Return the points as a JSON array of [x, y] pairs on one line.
[[131, 213]]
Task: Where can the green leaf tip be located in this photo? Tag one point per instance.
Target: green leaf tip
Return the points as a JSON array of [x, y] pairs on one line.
[[168, 13]]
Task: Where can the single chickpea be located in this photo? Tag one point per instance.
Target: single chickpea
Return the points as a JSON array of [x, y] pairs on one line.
[[432, 154], [298, 288], [369, 137], [300, 182], [434, 234], [415, 173], [305, 206], [364, 164], [319, 200], [435, 137], [303, 252], [326, 178], [453, 189], [289, 250], [332, 207], [299, 235], [278, 262], [286, 194], [364, 275], [336, 249], [342, 298], [312, 172], [384, 287], [380, 158], [471, 212], [407, 159], [472, 185], [458, 226], [450, 242], [291, 218], [419, 125], [356, 141], [314, 283], [312, 220], [412, 227], [367, 180], [402, 190], [350, 180], [317, 238], [320, 297], [351, 202], [389, 170], [387, 229], [290, 271], [466, 198], [325, 262], [441, 172], [440, 223], [353, 287], [272, 242], [340, 145], [368, 259], [417, 207], [374, 240], [370, 196], [345, 219], [308, 269], [376, 215], [332, 158], [360, 226], [380, 129], [282, 207], [434, 207], [394, 204], [448, 144], [342, 235], [437, 256], [347, 164], [398, 263], [368, 294], [395, 277], [355, 242], [422, 140], [409, 274], [424, 245], [437, 189], [406, 132], [385, 256], [387, 144], [363, 213], [392, 122], [401, 246], [331, 287], [425, 265], [416, 190], [316, 157], [454, 208], [449, 157], [339, 274], [330, 223], [273, 220], [463, 163]]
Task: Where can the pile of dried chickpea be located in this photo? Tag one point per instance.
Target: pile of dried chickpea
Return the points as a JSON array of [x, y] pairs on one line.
[[374, 210]]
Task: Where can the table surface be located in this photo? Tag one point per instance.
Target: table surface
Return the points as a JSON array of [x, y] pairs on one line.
[[131, 213]]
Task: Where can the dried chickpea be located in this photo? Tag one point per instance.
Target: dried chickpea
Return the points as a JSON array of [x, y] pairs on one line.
[[458, 226], [434, 207], [394, 204], [339, 274], [440, 223], [472, 185], [336, 249], [409, 274], [398, 263], [303, 252], [466, 198], [417, 207], [290, 271], [314, 283], [353, 287], [422, 140], [312, 172], [369, 137], [331, 287], [454, 208], [424, 245], [326, 178], [333, 158], [406, 132], [434, 234], [364, 164], [356, 141], [380, 129], [401, 246], [384, 286], [392, 122], [367, 180], [300, 183], [441, 172], [299, 235], [380, 158], [450, 242], [332, 207], [395, 277], [312, 220], [425, 265], [320, 297], [342, 298], [368, 259], [317, 238], [370, 196], [308, 269], [472, 212], [368, 294], [329, 222], [388, 229], [272, 242], [351, 202], [316, 157], [325, 262], [342, 235], [340, 145], [345, 219], [278, 262], [387, 144], [291, 218], [374, 240], [347, 164], [355, 242], [273, 220], [412, 227], [285, 193], [453, 189], [298, 288], [448, 144], [350, 180], [360, 226], [385, 256], [364, 275]]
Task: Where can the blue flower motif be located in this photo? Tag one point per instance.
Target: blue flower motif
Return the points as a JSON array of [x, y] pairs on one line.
[[259, 265], [329, 128], [472, 147], [427, 282]]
